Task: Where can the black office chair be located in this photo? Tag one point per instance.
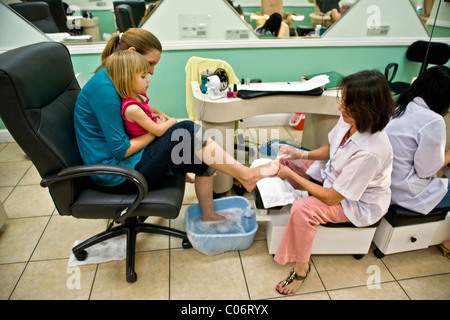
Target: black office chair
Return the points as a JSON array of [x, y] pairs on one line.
[[124, 17], [137, 12], [38, 14], [423, 52], [58, 12], [37, 103]]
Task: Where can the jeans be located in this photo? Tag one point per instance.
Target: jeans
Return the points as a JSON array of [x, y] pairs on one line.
[[445, 202], [174, 152]]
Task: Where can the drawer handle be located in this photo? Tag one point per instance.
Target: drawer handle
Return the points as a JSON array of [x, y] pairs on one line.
[[413, 239]]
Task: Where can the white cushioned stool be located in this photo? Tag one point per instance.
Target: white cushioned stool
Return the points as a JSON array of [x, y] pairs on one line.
[[405, 230], [340, 238]]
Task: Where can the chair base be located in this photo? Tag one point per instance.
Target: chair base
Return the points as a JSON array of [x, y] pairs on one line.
[[131, 228]]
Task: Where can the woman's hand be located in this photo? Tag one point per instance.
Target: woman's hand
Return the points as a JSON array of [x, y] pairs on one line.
[[284, 172], [288, 152]]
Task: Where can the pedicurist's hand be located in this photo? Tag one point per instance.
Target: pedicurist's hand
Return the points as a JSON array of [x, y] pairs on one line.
[[284, 172], [288, 152]]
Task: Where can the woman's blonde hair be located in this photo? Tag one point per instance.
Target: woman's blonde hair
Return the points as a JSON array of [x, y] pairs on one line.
[[123, 67], [142, 40]]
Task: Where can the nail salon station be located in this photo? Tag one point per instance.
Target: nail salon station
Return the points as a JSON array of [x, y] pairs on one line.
[[275, 79]]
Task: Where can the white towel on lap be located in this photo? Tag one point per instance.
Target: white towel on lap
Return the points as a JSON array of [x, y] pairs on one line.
[[275, 191]]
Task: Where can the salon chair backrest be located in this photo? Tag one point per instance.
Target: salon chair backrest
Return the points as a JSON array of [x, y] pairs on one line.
[[38, 91], [38, 14]]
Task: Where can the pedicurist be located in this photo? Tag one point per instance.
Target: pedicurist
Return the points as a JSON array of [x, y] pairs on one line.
[[418, 136], [354, 170]]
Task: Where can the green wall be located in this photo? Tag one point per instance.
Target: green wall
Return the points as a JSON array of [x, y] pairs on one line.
[[168, 85]]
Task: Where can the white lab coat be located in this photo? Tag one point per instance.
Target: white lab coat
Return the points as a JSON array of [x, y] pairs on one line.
[[360, 170], [418, 140]]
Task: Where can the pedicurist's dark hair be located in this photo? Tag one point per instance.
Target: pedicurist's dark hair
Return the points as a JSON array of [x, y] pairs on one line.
[[368, 100]]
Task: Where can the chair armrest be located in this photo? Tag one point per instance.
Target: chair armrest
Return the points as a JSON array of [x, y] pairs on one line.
[[104, 169], [387, 70]]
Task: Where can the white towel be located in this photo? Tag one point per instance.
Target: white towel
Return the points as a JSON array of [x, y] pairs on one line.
[[275, 191], [109, 250]]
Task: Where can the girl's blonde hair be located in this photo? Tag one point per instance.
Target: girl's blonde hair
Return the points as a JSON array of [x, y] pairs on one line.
[[123, 67]]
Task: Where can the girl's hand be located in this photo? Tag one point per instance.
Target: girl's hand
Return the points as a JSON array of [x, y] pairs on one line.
[[163, 116], [159, 119]]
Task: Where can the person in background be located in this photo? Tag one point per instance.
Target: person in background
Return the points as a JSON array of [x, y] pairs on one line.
[[353, 171], [329, 7], [345, 5], [418, 133], [271, 26]]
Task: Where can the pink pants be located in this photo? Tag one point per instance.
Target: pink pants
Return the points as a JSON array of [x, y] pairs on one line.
[[306, 214]]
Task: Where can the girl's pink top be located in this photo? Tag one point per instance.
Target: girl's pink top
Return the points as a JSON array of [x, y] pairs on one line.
[[132, 128]]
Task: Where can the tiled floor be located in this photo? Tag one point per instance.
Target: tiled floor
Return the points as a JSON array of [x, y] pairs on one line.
[[36, 241]]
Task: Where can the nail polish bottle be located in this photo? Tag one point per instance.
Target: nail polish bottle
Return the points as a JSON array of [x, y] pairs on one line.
[[235, 92], [229, 93]]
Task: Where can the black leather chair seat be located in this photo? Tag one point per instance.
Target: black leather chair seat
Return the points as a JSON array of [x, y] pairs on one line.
[[349, 225], [398, 216], [163, 201]]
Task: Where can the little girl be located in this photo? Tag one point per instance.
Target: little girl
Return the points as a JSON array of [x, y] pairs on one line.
[[128, 71]]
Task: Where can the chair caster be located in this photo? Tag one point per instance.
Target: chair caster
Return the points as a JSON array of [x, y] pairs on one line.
[[81, 255], [358, 256], [377, 252], [132, 277], [186, 244]]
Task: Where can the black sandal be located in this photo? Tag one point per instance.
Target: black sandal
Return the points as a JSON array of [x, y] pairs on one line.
[[293, 276]]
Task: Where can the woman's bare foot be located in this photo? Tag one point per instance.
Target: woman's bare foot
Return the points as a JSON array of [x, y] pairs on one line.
[[212, 217], [255, 174]]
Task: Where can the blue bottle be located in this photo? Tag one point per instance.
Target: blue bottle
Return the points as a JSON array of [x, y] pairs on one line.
[[248, 219]]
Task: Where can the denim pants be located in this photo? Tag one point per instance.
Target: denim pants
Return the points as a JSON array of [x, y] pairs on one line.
[[445, 202], [174, 152]]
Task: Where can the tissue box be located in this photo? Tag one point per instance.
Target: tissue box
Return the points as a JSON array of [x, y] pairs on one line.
[[218, 237]]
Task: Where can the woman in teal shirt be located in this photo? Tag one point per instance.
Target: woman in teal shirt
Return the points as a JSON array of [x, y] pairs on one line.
[[102, 139], [100, 134]]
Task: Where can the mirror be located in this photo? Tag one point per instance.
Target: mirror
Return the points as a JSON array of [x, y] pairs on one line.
[[97, 19]]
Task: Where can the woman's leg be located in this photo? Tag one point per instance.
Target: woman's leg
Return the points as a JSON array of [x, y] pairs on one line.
[[182, 149], [296, 244], [214, 156], [204, 192]]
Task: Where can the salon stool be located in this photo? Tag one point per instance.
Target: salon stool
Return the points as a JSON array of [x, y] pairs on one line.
[[405, 230], [331, 238]]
